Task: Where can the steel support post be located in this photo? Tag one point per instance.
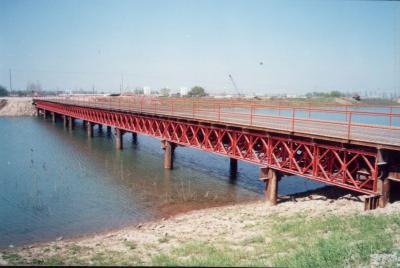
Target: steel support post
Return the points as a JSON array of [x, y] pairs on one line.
[[134, 137], [233, 167], [89, 128], [71, 122], [65, 121], [383, 188], [271, 178], [119, 139], [53, 117], [169, 149]]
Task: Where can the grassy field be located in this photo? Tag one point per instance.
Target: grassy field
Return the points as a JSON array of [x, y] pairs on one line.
[[289, 241]]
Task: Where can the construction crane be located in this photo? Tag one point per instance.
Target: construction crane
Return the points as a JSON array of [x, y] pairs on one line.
[[234, 84]]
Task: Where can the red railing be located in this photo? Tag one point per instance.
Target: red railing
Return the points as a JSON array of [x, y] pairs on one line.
[[350, 124]]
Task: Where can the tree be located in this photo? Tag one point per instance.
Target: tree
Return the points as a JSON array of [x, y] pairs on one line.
[[138, 91], [164, 92], [197, 91], [3, 91], [336, 94], [34, 87]]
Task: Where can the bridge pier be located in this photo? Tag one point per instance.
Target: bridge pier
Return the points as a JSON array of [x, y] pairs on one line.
[[53, 117], [44, 114], [84, 123], [134, 137], [100, 127], [271, 178], [71, 122], [89, 128], [169, 148], [119, 138], [233, 167], [65, 122]]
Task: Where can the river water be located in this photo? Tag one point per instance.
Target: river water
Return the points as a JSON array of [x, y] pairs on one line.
[[57, 183]]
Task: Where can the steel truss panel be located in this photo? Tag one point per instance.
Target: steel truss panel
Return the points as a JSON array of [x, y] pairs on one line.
[[347, 168]]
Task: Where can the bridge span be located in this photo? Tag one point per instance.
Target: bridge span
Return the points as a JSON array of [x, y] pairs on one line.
[[352, 149]]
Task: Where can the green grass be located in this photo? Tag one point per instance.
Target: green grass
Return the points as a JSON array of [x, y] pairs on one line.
[[333, 241]]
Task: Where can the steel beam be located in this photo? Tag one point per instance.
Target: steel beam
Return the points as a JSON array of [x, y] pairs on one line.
[[331, 163]]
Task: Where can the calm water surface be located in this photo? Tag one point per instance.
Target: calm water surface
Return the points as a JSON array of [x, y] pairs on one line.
[[58, 183]]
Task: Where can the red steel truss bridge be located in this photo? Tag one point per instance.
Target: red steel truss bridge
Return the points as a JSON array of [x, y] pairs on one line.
[[356, 148]]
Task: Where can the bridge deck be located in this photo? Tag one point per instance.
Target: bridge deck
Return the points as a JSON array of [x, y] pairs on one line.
[[348, 132]]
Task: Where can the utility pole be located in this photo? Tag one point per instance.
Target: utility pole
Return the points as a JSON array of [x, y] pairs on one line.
[[122, 82], [10, 81]]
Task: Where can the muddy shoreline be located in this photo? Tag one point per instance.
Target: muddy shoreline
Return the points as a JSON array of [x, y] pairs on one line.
[[207, 225]]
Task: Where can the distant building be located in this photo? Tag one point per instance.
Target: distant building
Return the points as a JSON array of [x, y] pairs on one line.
[[183, 91], [146, 91]]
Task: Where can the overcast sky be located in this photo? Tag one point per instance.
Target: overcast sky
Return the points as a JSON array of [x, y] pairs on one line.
[[267, 46]]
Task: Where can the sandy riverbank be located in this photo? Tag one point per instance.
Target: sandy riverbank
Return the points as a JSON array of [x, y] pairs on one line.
[[243, 234], [16, 106]]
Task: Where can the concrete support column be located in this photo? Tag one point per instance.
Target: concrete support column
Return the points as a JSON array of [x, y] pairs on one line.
[[233, 166], [169, 149], [134, 137], [100, 128], [44, 114], [119, 138], [89, 127], [271, 178], [383, 187], [37, 112], [53, 117], [71, 122], [84, 123], [65, 121]]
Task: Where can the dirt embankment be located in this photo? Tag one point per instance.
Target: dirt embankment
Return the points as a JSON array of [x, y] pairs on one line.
[[16, 106]]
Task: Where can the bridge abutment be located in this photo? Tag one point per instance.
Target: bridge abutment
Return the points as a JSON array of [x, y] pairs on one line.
[[119, 138], [271, 178], [169, 148]]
